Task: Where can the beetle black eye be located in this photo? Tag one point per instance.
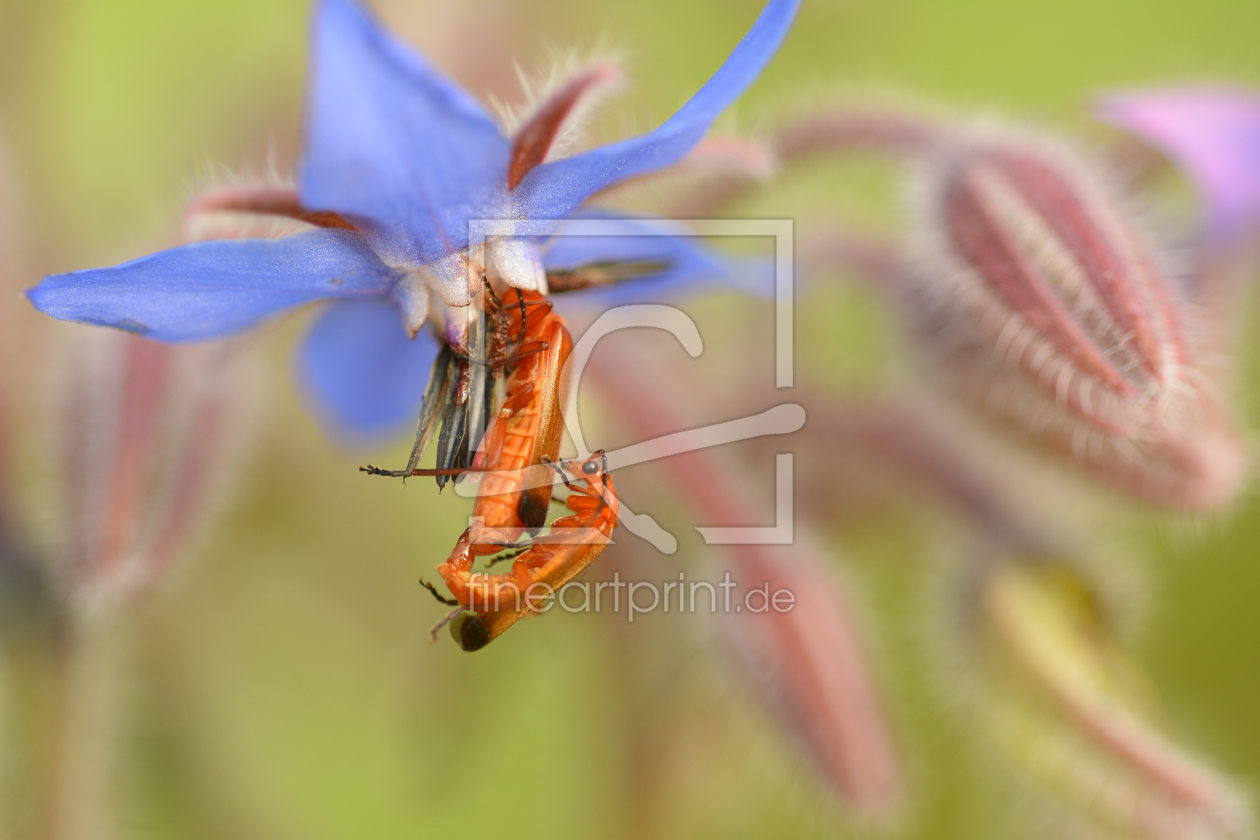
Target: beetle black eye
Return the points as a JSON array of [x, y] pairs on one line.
[[590, 468]]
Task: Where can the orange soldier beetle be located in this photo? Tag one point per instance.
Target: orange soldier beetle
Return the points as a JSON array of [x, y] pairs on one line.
[[522, 440], [487, 604], [523, 437], [524, 434]]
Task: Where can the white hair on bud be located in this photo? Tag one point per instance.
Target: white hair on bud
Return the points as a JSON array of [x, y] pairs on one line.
[[538, 87], [217, 175], [200, 223], [1128, 402], [205, 226]]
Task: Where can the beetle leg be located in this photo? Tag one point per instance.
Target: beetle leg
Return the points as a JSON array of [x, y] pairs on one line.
[[450, 616], [450, 602], [507, 555]]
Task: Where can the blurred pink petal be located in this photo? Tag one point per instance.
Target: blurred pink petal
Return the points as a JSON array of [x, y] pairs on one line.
[[1213, 133]]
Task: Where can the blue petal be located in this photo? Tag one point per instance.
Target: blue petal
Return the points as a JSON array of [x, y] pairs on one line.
[[392, 144], [210, 289], [554, 189], [693, 266], [361, 374]]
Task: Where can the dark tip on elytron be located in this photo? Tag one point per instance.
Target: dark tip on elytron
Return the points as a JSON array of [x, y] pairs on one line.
[[470, 632]]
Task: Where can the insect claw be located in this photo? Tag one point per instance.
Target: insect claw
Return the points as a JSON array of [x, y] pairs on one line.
[[371, 469], [558, 466]]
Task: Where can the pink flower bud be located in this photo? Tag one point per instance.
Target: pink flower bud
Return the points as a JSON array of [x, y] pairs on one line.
[[807, 663], [1045, 306], [146, 431]]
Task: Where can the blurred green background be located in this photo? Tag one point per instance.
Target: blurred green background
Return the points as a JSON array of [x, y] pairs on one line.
[[283, 684]]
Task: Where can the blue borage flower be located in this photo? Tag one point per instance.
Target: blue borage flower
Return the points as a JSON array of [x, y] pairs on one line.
[[365, 377], [398, 161]]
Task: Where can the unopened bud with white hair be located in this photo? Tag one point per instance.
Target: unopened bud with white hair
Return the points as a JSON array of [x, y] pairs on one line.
[[147, 433], [1048, 309]]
